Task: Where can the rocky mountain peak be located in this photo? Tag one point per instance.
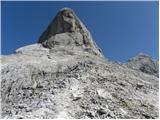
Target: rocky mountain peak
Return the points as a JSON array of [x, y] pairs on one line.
[[140, 56], [66, 30], [144, 63], [64, 21], [65, 76]]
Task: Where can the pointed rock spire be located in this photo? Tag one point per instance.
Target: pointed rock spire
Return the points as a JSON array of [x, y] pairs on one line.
[[67, 30]]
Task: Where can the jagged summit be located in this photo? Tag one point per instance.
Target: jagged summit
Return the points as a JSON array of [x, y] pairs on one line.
[[64, 21], [66, 30], [141, 55], [64, 76], [144, 63]]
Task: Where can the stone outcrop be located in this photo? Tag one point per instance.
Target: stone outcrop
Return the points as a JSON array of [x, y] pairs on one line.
[[144, 63], [59, 78], [66, 30]]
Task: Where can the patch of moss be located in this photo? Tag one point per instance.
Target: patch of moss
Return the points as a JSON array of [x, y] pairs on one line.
[[126, 104]]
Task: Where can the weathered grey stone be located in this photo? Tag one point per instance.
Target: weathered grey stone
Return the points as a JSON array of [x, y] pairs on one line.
[[67, 29], [144, 63], [68, 80]]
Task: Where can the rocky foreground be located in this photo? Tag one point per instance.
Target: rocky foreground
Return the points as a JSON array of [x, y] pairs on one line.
[[65, 75]]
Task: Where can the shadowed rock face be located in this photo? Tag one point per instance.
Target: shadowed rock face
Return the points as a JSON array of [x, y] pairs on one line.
[[66, 30], [65, 21], [144, 63], [66, 76]]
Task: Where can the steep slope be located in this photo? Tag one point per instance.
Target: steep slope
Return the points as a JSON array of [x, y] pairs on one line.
[[58, 80]]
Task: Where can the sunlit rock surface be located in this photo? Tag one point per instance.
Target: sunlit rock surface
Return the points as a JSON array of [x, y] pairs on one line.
[[65, 75]]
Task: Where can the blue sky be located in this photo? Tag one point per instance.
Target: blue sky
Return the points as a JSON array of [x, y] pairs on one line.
[[120, 29]]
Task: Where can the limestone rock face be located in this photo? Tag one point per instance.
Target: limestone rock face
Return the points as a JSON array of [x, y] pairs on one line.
[[144, 63], [66, 30], [52, 79]]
